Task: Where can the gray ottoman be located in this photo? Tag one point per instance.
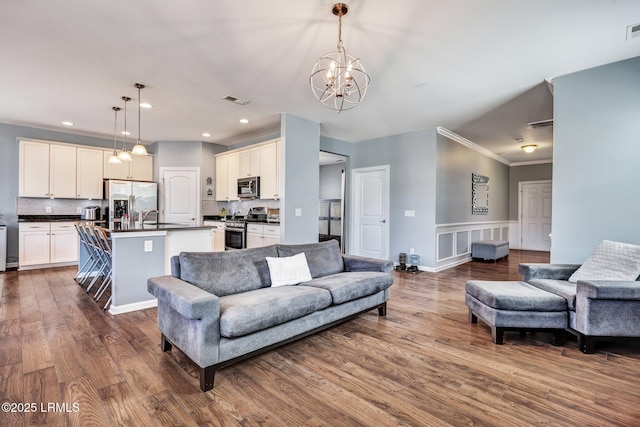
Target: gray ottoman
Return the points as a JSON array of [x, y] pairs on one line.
[[516, 306], [490, 250]]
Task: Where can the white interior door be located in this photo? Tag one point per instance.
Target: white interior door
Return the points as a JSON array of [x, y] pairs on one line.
[[180, 195], [535, 215], [370, 212]]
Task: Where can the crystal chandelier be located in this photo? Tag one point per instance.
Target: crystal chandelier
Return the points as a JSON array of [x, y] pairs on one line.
[[139, 149], [338, 80], [114, 159], [123, 154]]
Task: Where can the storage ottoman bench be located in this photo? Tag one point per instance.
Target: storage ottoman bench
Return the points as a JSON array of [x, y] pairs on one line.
[[516, 306], [491, 250]]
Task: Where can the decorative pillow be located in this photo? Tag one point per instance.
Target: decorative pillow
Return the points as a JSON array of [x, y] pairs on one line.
[[324, 258], [288, 270], [610, 261]]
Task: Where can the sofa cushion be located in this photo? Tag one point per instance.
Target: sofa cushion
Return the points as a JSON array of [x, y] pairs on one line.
[[350, 286], [229, 272], [247, 312], [289, 270], [563, 288], [323, 258], [610, 261]]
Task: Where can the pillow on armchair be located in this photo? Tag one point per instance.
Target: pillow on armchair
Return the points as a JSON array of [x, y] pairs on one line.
[[610, 261]]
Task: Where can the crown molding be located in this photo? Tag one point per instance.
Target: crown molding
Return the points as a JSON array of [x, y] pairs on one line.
[[467, 143], [532, 162]]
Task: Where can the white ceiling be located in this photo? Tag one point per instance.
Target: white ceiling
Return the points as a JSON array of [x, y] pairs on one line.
[[477, 68]]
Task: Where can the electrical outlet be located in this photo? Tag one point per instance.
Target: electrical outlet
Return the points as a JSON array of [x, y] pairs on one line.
[[411, 251], [79, 209], [298, 212], [47, 209], [148, 245]]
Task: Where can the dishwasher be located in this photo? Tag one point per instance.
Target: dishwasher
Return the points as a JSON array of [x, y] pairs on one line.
[[3, 248]]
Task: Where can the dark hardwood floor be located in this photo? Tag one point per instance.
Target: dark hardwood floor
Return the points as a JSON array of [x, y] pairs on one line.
[[422, 365]]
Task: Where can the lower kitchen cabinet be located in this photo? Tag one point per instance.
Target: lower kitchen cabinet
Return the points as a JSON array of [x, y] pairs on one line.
[[259, 235], [44, 244]]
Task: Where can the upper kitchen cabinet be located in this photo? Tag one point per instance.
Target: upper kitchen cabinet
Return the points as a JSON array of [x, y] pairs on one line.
[[249, 162], [270, 170], [47, 170], [140, 168], [89, 173], [227, 170]]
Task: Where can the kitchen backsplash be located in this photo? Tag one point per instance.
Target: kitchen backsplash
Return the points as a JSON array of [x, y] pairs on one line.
[[40, 206]]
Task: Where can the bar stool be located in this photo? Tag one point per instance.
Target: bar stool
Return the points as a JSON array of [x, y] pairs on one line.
[[104, 244]]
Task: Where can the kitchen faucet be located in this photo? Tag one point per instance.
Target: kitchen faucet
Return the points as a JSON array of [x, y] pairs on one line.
[[145, 214]]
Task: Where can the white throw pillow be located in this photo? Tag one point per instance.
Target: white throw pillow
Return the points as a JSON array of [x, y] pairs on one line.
[[288, 270], [610, 261]]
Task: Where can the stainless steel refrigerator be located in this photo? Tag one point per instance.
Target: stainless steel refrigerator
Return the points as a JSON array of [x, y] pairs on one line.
[[130, 198]]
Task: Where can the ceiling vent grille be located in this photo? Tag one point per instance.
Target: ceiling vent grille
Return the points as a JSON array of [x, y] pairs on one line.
[[633, 31], [235, 100], [541, 123]]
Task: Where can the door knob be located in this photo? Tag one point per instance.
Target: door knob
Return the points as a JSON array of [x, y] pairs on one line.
[[383, 221]]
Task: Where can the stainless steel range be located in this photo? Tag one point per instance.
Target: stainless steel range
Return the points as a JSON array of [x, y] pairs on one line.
[[235, 233]]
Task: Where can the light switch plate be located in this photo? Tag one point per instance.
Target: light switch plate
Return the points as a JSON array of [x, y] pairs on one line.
[[298, 212], [148, 245], [410, 213]]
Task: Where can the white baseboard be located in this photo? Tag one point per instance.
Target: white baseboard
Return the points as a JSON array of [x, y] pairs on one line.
[[127, 308]]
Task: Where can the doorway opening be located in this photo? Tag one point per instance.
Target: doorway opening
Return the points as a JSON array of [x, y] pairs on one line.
[[332, 197]]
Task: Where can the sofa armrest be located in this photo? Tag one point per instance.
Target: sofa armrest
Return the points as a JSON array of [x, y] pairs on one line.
[[547, 271], [358, 263], [609, 289], [188, 300]]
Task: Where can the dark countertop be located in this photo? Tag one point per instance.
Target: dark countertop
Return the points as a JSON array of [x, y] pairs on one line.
[[48, 218], [116, 227]]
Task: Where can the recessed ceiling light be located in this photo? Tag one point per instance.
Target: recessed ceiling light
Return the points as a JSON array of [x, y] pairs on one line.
[[126, 132], [67, 123], [244, 121], [206, 134], [145, 105]]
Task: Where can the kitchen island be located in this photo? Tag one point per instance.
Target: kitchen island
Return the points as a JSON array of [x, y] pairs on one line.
[[143, 251]]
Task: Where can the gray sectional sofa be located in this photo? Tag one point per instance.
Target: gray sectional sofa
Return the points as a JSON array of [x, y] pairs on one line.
[[219, 307], [599, 310]]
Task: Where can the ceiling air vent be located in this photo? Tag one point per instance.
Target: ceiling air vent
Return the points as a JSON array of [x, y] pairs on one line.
[[633, 31], [235, 100], [541, 123]]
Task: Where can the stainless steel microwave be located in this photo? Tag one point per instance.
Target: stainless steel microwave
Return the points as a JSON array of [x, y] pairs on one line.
[[249, 188]]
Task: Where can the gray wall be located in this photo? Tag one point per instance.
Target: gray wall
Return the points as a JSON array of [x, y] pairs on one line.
[[299, 149], [454, 166], [9, 171], [539, 172], [411, 158], [595, 168]]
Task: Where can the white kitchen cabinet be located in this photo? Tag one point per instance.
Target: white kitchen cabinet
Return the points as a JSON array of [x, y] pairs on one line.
[[269, 171], [33, 240], [249, 162], [140, 168], [47, 170], [221, 178], [89, 173], [227, 170], [44, 243], [259, 235]]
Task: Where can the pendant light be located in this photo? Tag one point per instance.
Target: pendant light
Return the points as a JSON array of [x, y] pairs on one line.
[[114, 160], [338, 80], [123, 154], [139, 149]]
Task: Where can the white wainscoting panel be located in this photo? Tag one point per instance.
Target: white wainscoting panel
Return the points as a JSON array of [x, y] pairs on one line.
[[453, 241]]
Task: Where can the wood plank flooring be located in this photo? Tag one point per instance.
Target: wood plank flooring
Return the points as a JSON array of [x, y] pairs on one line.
[[422, 365]]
